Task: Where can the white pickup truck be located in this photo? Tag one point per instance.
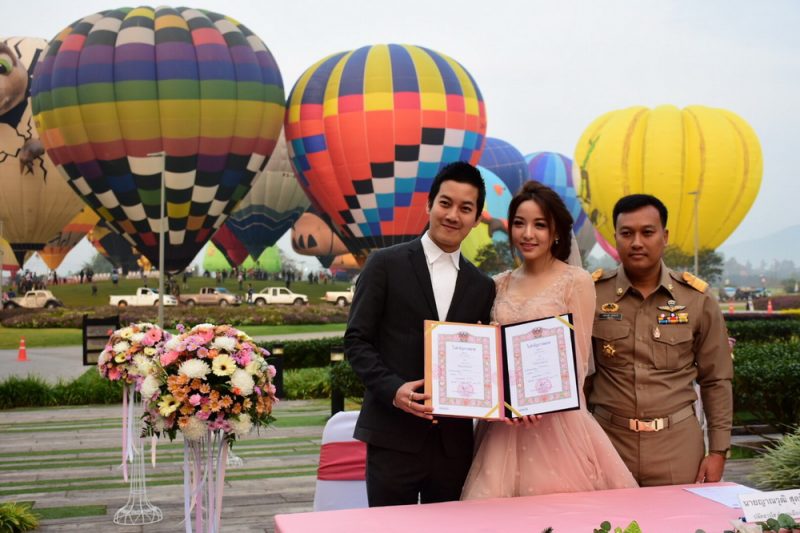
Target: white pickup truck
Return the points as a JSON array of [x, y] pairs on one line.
[[340, 298], [143, 296], [279, 295]]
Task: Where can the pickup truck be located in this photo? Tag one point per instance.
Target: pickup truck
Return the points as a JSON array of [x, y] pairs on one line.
[[340, 298], [211, 296], [279, 295], [143, 296], [34, 300]]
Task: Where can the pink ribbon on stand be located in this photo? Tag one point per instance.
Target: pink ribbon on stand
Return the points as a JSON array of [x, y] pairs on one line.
[[128, 393]]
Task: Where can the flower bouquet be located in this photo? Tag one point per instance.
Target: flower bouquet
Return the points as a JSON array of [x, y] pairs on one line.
[[213, 384], [129, 357]]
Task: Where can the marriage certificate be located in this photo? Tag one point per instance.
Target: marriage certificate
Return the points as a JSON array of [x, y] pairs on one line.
[[492, 372]]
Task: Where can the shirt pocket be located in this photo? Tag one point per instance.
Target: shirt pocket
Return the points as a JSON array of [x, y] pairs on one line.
[[610, 338], [673, 347]]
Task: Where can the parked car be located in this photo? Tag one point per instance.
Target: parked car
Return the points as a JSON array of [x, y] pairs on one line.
[[279, 295], [143, 296], [340, 298], [211, 296], [34, 300]]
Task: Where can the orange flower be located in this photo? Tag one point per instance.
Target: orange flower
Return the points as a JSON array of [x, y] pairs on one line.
[[197, 383], [226, 401], [187, 409], [213, 353], [236, 409], [205, 388]]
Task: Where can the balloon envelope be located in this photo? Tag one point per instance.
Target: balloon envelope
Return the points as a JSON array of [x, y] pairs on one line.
[[274, 202], [678, 155], [113, 247], [59, 246], [506, 162], [230, 246], [35, 202], [125, 96], [368, 130]]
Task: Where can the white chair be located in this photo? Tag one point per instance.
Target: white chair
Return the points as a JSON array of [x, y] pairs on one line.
[[341, 474]]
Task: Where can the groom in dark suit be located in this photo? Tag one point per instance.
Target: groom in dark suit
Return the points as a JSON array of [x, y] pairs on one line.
[[410, 456]]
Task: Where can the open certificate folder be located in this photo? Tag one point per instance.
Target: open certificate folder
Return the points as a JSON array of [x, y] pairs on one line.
[[480, 371]]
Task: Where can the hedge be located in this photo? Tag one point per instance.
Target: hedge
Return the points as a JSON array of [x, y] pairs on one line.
[[89, 388], [766, 381], [305, 353], [760, 330], [786, 301]]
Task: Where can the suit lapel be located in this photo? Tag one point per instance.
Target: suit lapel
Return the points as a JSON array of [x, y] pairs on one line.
[[420, 267], [461, 286]]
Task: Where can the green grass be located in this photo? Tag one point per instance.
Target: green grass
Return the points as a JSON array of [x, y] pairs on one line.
[[46, 337], [71, 511], [74, 295]]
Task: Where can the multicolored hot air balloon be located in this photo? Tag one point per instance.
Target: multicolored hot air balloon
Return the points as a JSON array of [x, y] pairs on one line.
[[59, 246], [125, 96], [494, 218], [113, 247], [35, 203], [555, 171], [230, 246], [678, 155], [274, 202], [368, 130], [506, 162], [8, 261]]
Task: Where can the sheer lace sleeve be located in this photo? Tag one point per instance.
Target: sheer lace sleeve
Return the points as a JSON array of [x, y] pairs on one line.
[[581, 303]]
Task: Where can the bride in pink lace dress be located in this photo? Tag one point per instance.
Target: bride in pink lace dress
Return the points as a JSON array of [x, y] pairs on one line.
[[558, 452]]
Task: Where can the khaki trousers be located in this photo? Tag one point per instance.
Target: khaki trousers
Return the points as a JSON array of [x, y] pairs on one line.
[[671, 456]]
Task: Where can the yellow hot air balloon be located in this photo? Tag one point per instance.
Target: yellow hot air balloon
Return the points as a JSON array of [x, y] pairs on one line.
[[675, 155], [59, 246]]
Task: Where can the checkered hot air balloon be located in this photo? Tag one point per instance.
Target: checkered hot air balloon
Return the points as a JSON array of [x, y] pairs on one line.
[[368, 130], [506, 162], [124, 95]]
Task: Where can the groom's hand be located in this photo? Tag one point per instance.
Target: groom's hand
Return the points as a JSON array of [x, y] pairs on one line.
[[406, 399]]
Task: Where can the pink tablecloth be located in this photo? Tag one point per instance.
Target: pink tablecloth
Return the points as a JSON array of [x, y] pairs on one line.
[[657, 509]]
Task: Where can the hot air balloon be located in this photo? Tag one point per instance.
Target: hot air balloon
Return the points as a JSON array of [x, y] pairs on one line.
[[368, 130], [230, 246], [606, 246], [8, 261], [59, 246], [274, 202], [555, 171], [678, 155], [494, 218], [113, 247], [125, 96], [506, 162], [214, 260], [35, 202], [312, 235], [269, 261]]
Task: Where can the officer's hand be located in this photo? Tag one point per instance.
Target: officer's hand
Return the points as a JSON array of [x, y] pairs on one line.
[[711, 468], [412, 402]]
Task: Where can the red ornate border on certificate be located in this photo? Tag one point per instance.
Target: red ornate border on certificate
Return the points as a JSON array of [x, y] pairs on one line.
[[464, 337], [538, 333]]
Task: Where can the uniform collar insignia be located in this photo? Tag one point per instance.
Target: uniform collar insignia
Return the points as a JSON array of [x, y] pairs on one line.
[[672, 307]]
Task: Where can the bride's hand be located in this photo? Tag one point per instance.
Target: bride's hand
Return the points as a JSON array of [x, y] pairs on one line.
[[527, 421]]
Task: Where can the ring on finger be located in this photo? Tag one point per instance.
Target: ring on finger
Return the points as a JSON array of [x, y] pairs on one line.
[[409, 403]]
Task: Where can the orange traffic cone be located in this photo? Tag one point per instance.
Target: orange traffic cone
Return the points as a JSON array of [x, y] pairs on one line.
[[23, 353], [769, 307], [730, 308]]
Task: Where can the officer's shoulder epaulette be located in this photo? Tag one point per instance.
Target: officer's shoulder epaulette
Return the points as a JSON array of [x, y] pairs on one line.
[[600, 274], [694, 282]]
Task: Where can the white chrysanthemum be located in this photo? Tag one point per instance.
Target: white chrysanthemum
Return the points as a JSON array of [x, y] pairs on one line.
[[242, 426], [121, 347], [150, 386], [137, 337], [224, 365], [172, 344], [195, 429], [144, 365], [194, 368], [224, 343], [253, 367], [243, 381]]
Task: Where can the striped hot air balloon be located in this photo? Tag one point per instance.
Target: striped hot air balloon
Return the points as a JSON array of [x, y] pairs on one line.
[[125, 96], [368, 130], [506, 162], [59, 246]]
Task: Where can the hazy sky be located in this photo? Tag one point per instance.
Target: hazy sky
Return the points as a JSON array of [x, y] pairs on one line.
[[547, 69]]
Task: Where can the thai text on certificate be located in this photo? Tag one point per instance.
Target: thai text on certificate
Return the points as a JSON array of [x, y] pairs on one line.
[[464, 370], [541, 362]]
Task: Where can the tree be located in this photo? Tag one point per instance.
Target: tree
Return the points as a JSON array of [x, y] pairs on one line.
[[494, 258], [709, 262], [98, 265]]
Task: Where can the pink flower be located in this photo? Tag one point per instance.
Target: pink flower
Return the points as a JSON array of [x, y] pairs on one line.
[[202, 351], [205, 336], [257, 390], [264, 352], [169, 358], [114, 373], [181, 328], [151, 337], [271, 371], [195, 399], [202, 415]]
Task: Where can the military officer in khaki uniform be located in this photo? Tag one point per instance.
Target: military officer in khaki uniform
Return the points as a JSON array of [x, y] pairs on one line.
[[656, 331]]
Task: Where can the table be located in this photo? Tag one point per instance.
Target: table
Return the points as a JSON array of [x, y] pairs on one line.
[[669, 509]]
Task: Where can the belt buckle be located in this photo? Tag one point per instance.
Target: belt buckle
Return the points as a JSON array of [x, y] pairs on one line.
[[649, 424]]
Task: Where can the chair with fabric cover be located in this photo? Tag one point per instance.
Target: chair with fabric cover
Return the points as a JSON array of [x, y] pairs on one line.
[[341, 478]]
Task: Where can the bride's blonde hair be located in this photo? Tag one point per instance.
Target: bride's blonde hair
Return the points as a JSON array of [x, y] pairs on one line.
[[554, 210]]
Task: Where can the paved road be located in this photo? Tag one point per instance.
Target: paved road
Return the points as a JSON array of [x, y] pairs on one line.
[[65, 362]]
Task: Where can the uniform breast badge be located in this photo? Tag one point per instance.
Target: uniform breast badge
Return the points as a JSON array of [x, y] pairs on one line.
[[609, 350], [610, 311], [672, 314], [656, 333]]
